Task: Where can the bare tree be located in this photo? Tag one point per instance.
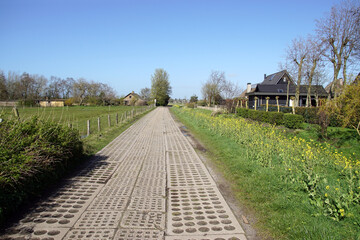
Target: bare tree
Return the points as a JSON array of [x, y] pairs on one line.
[[145, 94], [315, 51], [80, 90], [339, 30], [68, 84], [39, 86], [214, 86], [297, 53]]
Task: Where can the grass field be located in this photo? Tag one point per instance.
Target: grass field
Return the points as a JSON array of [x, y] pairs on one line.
[[297, 189], [77, 116]]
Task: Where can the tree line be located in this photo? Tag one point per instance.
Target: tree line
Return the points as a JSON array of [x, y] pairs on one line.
[[28, 88], [334, 45]]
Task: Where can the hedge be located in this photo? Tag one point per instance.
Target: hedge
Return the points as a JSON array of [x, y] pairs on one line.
[[293, 121], [278, 118], [33, 154]]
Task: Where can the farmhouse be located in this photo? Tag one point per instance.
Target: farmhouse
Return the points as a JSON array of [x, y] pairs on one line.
[[281, 85], [8, 103], [131, 98], [52, 103]]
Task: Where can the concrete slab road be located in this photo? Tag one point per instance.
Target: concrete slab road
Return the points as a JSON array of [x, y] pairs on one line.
[[148, 183]]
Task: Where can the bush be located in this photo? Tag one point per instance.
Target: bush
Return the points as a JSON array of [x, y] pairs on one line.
[[201, 103], [69, 102], [33, 154], [311, 115], [190, 105], [276, 118], [293, 121], [242, 112]]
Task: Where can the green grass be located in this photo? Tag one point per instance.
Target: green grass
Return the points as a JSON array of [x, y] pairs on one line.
[[282, 212], [345, 140], [77, 116]]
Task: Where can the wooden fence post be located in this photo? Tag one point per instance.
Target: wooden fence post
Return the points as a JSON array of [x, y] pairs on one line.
[[88, 127], [109, 120], [16, 113], [117, 118], [99, 125]]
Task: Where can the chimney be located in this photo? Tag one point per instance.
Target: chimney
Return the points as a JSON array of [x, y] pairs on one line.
[[264, 76], [248, 89], [132, 92]]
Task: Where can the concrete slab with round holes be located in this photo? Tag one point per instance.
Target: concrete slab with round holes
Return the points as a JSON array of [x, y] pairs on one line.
[[148, 183]]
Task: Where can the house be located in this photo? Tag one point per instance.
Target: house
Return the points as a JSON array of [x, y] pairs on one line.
[[281, 85], [131, 98], [52, 103]]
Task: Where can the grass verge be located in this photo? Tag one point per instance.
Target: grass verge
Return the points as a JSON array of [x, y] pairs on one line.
[[281, 210]]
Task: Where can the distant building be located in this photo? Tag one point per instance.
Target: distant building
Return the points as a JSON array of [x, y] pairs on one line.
[[278, 84], [8, 103], [52, 103], [131, 98]]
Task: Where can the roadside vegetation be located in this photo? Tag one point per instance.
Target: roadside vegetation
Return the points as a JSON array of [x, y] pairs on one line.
[[296, 186], [33, 154]]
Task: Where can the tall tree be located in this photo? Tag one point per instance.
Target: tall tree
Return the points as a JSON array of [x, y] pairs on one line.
[[297, 52], [340, 31], [80, 90], [160, 87], [315, 51]]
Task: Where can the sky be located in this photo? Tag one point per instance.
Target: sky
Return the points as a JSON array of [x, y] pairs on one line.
[[122, 42]]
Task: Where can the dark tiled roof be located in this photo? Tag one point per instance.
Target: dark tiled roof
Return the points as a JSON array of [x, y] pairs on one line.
[[274, 78]]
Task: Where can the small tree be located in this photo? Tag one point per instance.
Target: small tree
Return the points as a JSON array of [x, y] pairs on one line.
[[347, 106], [160, 87], [194, 99]]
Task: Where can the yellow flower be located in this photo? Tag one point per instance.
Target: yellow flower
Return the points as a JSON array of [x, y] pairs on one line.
[[327, 187], [326, 194]]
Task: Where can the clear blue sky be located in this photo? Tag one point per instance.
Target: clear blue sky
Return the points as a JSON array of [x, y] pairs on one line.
[[121, 43]]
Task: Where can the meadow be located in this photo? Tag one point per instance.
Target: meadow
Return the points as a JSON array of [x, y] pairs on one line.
[[77, 116], [298, 188]]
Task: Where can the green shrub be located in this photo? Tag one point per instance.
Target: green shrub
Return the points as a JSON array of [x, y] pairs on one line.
[[190, 105], [242, 112], [33, 153], [293, 121], [310, 114], [276, 118], [201, 103]]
